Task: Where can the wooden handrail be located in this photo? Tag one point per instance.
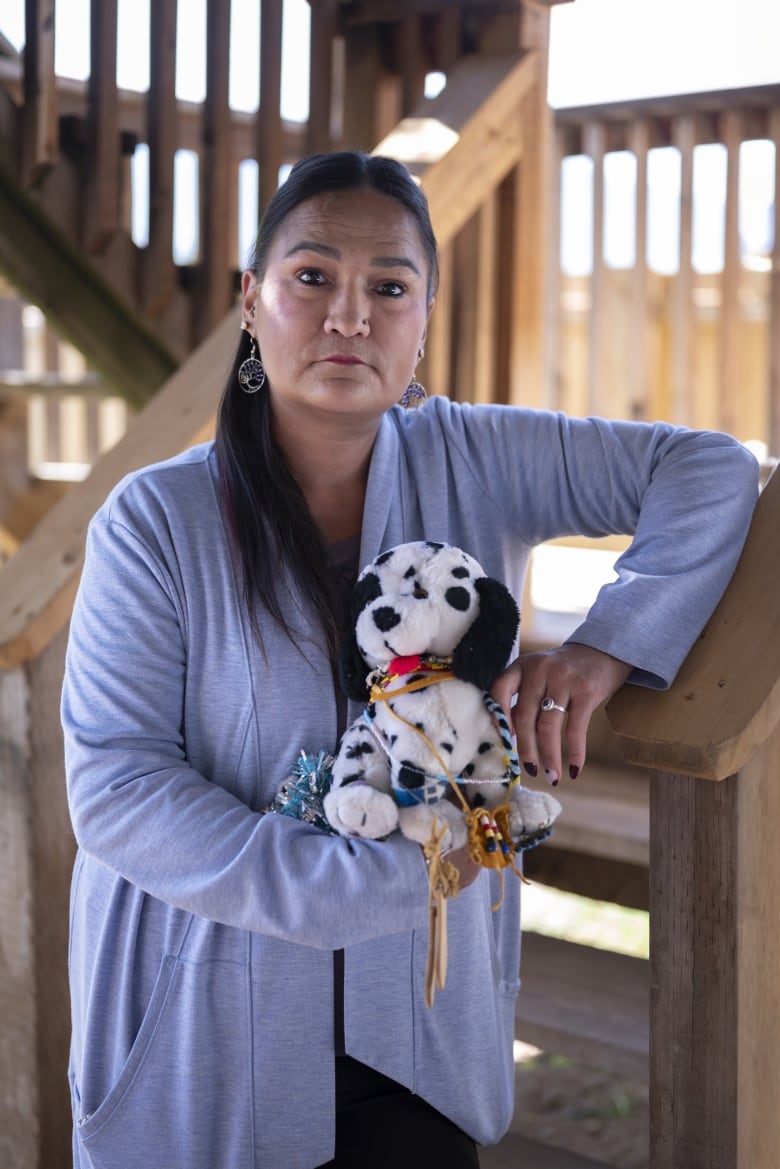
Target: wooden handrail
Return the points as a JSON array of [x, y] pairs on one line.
[[38, 584], [725, 701]]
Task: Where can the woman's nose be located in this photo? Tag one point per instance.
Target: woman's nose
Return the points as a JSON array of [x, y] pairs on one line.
[[347, 315]]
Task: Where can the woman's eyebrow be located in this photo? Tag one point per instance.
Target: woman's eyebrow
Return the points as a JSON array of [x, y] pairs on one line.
[[308, 245]]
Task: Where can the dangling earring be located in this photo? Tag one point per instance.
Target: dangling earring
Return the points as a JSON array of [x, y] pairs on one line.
[[414, 395], [251, 374]]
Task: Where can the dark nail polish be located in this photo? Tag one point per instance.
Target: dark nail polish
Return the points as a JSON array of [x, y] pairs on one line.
[[574, 772], [532, 769]]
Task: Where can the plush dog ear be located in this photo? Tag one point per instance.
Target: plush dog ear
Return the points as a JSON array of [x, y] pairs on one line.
[[352, 666], [485, 647]]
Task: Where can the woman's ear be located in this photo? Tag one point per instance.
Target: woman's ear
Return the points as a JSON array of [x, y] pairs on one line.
[[484, 649], [248, 297], [352, 665]]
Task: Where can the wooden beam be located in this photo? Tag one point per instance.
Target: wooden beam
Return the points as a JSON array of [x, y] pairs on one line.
[[38, 585], [51, 272], [725, 701], [468, 138]]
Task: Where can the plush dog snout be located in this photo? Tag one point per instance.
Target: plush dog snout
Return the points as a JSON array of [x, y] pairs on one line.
[[419, 592], [385, 618]]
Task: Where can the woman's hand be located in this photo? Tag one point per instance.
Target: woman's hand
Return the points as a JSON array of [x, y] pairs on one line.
[[577, 678]]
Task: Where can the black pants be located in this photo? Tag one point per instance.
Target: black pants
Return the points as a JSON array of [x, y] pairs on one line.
[[382, 1125]]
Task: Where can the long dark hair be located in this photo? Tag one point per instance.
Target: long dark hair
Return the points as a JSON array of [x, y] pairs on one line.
[[270, 519]]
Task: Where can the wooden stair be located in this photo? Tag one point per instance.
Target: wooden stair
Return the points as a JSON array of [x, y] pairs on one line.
[[589, 1004]]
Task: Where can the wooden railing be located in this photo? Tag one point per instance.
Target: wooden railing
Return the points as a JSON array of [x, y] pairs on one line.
[[636, 337]]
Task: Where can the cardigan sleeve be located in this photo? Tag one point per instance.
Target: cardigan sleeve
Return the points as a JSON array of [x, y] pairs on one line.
[[140, 807], [685, 496]]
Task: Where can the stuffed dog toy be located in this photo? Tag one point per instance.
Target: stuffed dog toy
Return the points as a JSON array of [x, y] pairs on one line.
[[429, 632]]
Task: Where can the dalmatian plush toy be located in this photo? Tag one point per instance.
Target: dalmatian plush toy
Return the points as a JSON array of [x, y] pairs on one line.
[[429, 632]]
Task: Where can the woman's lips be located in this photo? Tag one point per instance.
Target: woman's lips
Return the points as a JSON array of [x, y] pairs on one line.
[[344, 359]]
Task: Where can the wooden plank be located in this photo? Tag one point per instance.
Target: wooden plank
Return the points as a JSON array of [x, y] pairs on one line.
[[412, 63], [466, 252], [269, 118], [40, 135], [158, 271], [725, 701], [101, 202], [729, 366], [468, 138], [215, 286], [589, 1004], [517, 1152], [773, 380], [38, 585]]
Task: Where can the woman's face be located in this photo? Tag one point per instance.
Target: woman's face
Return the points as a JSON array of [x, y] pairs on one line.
[[341, 311]]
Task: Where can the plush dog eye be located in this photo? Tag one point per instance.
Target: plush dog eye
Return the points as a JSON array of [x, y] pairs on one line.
[[386, 618], [409, 572], [460, 572], [458, 598]]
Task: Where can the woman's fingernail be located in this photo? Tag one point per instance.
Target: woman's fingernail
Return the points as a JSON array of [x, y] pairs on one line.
[[552, 776], [532, 769], [574, 771]]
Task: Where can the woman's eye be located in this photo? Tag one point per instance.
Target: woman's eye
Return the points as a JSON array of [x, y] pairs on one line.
[[391, 288], [311, 276]]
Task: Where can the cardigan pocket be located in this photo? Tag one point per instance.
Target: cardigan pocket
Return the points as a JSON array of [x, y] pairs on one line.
[[183, 1098]]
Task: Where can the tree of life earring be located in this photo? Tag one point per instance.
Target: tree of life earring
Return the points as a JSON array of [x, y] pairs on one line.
[[251, 372]]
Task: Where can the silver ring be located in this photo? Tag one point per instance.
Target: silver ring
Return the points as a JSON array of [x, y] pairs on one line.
[[551, 704]]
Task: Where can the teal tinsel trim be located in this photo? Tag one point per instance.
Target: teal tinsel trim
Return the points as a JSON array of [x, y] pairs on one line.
[[301, 795]]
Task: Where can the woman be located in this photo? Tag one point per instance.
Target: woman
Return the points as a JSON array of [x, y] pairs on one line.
[[247, 990]]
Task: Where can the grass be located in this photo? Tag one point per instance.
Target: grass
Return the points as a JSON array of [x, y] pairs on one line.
[[591, 923]]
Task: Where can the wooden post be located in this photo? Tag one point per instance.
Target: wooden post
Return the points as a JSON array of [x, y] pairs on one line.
[[773, 372], [684, 319], [715, 874], [639, 144], [730, 324], [37, 858], [324, 27], [594, 143]]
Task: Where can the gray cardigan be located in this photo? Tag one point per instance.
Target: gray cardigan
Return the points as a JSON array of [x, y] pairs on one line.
[[202, 930]]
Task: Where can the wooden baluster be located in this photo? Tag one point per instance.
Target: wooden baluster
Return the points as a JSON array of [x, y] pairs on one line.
[[594, 144], [324, 30], [435, 370], [101, 204], [639, 144], [40, 139], [466, 256], [489, 244], [269, 118], [158, 273], [215, 174], [411, 62], [729, 372], [684, 320]]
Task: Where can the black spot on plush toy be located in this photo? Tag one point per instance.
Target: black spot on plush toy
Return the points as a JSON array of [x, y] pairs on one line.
[[429, 632]]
